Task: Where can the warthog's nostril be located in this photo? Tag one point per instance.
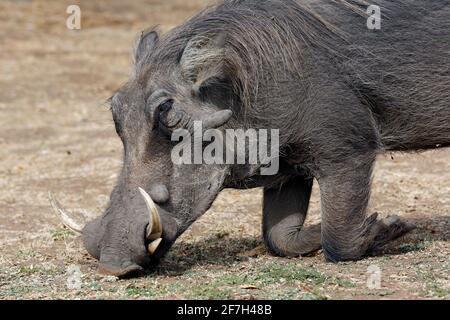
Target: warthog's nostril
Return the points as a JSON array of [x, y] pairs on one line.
[[159, 193]]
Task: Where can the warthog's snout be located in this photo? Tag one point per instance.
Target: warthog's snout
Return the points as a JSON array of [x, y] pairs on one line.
[[125, 243]]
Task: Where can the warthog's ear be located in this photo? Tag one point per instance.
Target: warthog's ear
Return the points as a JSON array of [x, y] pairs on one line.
[[145, 44], [203, 60]]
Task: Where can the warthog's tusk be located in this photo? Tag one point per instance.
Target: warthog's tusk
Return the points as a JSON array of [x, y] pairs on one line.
[[65, 217], [154, 245], [217, 119], [154, 228]]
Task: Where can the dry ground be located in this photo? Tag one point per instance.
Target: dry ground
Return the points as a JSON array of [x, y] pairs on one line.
[[56, 134]]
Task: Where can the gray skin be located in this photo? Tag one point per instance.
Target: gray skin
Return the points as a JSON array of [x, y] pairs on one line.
[[340, 94]]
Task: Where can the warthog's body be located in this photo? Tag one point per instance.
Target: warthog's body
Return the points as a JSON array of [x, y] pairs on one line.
[[338, 92]]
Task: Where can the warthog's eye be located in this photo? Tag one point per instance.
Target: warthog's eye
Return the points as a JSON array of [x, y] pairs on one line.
[[165, 106], [167, 118]]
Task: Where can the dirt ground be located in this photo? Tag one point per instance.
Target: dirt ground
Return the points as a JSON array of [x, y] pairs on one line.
[[56, 134]]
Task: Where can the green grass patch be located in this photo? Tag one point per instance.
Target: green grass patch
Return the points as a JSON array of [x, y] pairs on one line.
[[277, 272], [272, 280], [412, 247], [210, 291], [61, 234], [141, 292], [29, 270], [433, 288]]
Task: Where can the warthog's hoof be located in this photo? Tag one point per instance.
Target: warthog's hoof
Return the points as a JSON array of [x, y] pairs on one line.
[[389, 229]]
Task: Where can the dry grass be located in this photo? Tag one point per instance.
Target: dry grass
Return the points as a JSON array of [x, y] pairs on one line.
[[56, 134]]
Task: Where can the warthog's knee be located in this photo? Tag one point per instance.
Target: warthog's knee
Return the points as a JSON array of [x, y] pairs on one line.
[[290, 240], [276, 243]]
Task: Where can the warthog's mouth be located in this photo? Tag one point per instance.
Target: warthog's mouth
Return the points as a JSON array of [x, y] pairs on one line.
[[139, 241]]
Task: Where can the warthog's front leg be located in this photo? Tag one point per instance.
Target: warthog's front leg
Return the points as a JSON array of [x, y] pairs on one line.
[[284, 212], [347, 233]]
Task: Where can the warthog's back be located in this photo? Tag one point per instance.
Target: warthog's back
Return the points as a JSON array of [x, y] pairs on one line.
[[401, 70]]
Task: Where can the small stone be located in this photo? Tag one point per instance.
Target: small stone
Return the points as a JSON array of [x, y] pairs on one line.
[[110, 279]]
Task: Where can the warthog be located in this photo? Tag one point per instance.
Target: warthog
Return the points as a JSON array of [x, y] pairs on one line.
[[339, 93]]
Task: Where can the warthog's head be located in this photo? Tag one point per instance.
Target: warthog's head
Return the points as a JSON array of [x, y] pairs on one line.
[[155, 199]]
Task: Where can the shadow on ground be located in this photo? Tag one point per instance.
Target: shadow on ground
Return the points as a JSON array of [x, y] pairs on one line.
[[218, 250], [214, 250]]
